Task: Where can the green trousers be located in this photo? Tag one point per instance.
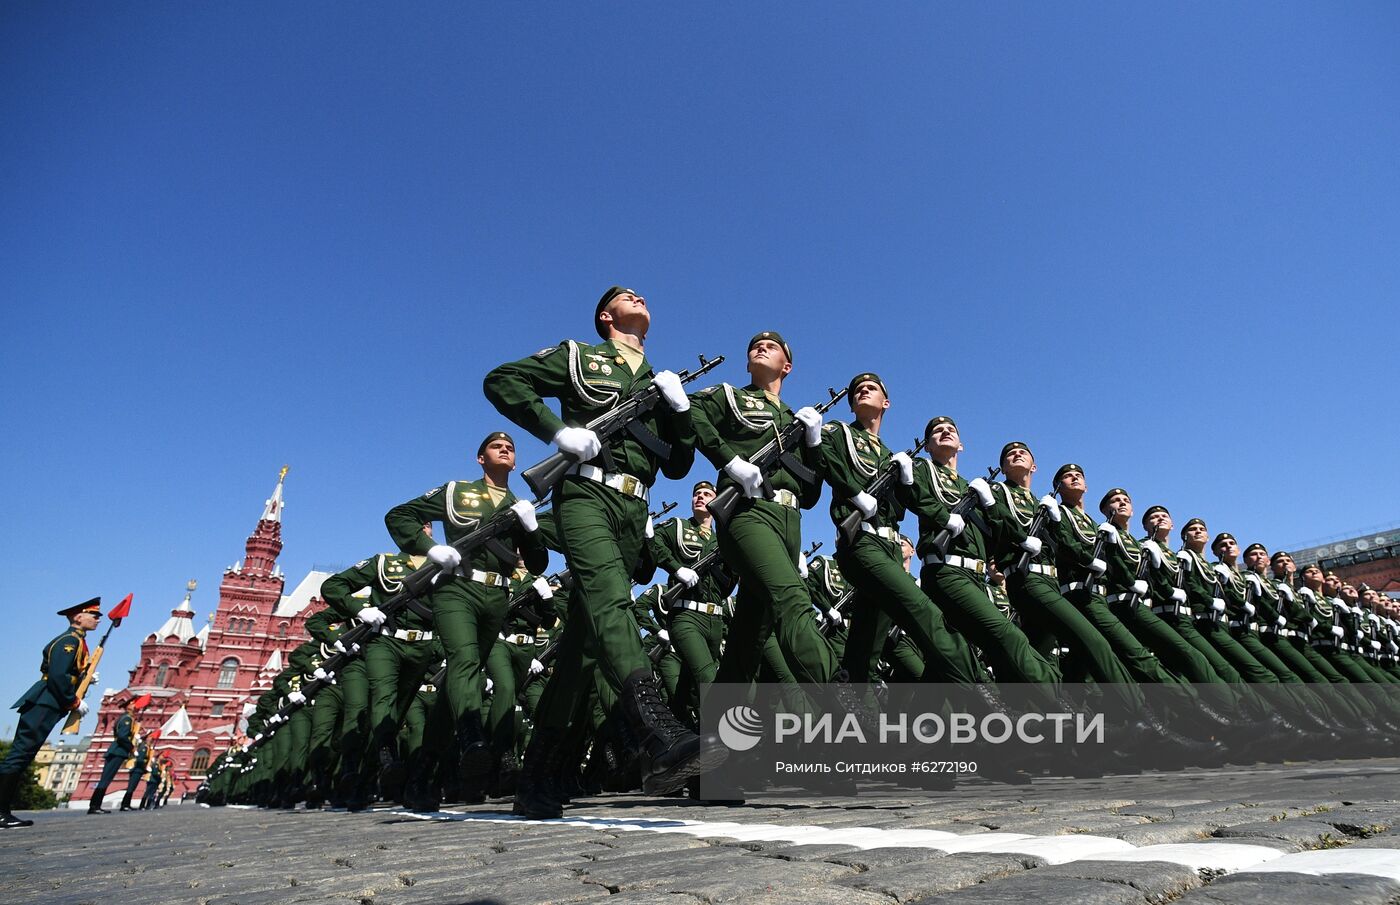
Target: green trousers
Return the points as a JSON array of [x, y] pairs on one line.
[[1185, 626], [875, 567], [467, 617], [1174, 651], [1247, 666], [395, 669], [905, 660], [962, 596], [761, 544], [353, 739], [322, 758], [696, 639], [509, 670], [602, 532], [1141, 664]]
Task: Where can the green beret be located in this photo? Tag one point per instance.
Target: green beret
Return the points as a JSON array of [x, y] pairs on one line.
[[941, 419], [775, 337], [1222, 536], [612, 293], [1103, 503], [1189, 523], [1252, 547], [1151, 511], [1014, 444], [705, 485], [1069, 468], [494, 435], [863, 377]]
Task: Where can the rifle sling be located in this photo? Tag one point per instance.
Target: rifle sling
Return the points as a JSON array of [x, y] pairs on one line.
[[654, 444], [798, 469]]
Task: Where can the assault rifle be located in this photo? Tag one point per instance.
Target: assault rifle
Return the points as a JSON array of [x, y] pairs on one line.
[[965, 504], [774, 453], [626, 415], [879, 486], [1042, 513]]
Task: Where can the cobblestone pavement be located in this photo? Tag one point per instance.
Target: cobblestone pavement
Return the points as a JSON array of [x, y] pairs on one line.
[[1315, 833]]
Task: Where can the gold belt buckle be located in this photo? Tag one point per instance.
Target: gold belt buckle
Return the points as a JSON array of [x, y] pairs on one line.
[[711, 609], [629, 484], [412, 635], [981, 567]]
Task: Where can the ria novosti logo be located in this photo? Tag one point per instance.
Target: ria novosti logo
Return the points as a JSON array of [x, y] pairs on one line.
[[740, 728]]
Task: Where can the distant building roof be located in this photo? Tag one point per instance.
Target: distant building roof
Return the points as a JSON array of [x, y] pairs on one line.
[[301, 595], [1363, 548]]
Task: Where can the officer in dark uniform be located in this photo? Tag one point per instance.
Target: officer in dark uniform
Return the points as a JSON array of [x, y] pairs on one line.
[[47, 701], [123, 746]]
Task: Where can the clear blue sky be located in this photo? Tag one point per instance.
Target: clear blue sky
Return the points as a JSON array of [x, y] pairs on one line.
[[1158, 240]]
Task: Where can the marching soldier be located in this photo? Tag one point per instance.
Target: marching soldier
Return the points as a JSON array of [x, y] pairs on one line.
[[138, 769], [469, 602], [48, 701], [600, 509], [763, 538], [852, 454], [123, 746], [696, 623], [511, 663]]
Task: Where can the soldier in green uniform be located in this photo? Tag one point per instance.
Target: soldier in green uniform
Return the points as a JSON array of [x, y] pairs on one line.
[[1221, 619], [122, 747], [511, 663], [48, 701], [852, 454], [902, 659], [831, 594], [469, 602], [600, 509], [424, 737], [325, 628], [395, 659], [1325, 632], [696, 623], [763, 538]]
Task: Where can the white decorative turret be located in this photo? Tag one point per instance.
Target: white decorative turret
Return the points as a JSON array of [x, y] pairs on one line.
[[181, 621], [272, 511]]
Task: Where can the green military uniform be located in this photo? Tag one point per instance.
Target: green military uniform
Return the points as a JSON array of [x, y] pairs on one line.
[[696, 624], [425, 737], [43, 706], [510, 664], [468, 606], [763, 538], [831, 594], [601, 515], [885, 591], [1172, 604], [394, 660], [1221, 625], [327, 708], [1326, 635]]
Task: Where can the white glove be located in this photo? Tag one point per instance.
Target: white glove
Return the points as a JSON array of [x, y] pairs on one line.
[[579, 442], [1338, 631], [906, 468], [1185, 560], [1375, 645], [536, 667], [649, 531], [95, 677], [445, 555], [956, 525], [1219, 606], [526, 513], [542, 588], [1249, 609], [1098, 566], [1052, 507], [296, 697], [372, 616], [983, 490], [802, 566], [1312, 623], [747, 474], [320, 674], [353, 649], [686, 576], [834, 618], [1031, 545], [82, 708], [811, 420], [1178, 595], [1154, 551], [866, 503], [1282, 622], [664, 635], [1140, 588], [672, 391], [489, 684], [1110, 531]]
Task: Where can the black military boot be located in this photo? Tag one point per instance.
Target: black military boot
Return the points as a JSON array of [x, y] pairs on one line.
[[392, 774], [126, 801], [670, 753], [474, 759], [9, 791], [537, 792]]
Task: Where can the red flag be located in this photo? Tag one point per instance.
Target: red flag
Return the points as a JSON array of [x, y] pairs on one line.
[[155, 734], [121, 610], [142, 701]]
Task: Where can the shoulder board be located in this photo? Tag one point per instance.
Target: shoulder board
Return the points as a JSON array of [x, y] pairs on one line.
[[545, 352], [829, 427], [361, 564], [432, 492]]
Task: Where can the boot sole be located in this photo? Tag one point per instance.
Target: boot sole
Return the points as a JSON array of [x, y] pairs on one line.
[[674, 778]]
